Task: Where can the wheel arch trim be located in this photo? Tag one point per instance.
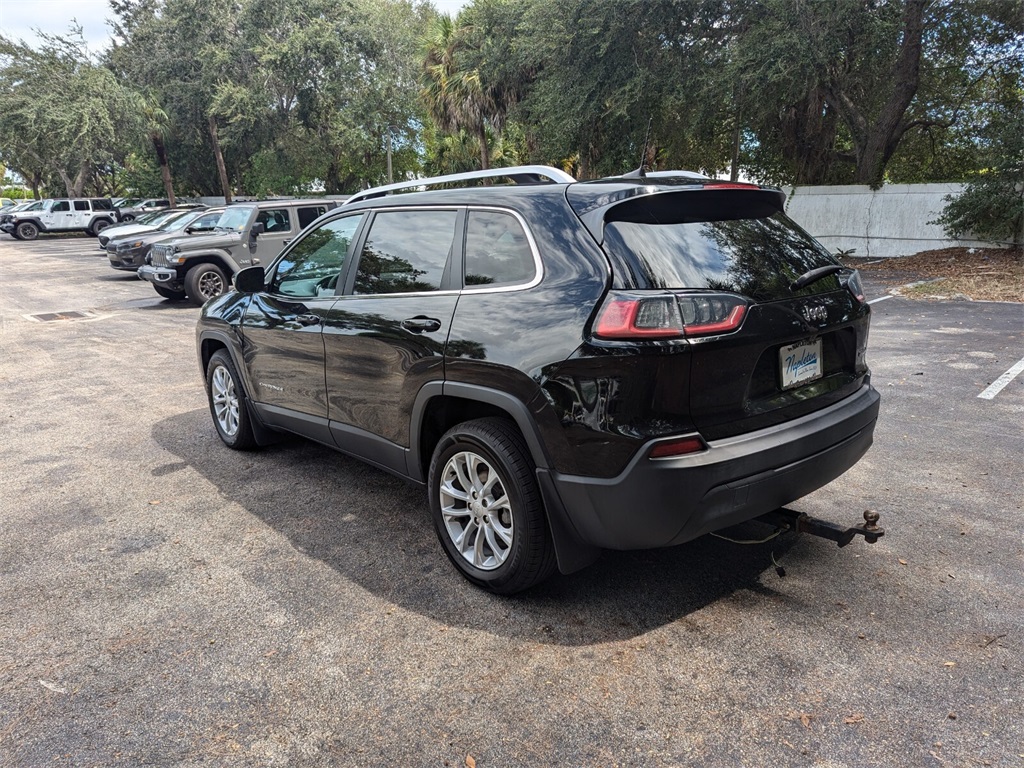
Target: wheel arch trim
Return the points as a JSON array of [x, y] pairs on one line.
[[263, 434], [510, 404]]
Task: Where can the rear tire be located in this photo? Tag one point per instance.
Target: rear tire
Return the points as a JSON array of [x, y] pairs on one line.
[[203, 282], [228, 403], [487, 508], [26, 231]]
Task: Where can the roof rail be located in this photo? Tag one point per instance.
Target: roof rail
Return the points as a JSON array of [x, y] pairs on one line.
[[520, 174]]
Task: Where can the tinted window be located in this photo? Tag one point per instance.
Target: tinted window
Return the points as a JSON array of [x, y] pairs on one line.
[[102, 205], [62, 205], [406, 251], [81, 205], [312, 267], [307, 215], [275, 220], [497, 251], [758, 258]]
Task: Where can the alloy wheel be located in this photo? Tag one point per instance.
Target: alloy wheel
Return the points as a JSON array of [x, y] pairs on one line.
[[225, 400], [476, 510]]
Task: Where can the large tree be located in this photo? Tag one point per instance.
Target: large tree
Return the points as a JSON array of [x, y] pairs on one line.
[[61, 113]]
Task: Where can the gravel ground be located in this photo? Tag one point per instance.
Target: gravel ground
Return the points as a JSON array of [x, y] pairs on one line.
[[167, 601]]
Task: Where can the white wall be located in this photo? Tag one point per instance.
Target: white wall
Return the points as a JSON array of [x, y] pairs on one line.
[[891, 221]]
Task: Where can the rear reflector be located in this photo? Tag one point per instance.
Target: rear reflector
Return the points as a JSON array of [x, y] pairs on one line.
[[679, 447]]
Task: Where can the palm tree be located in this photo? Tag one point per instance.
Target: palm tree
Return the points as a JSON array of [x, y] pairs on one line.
[[452, 92], [156, 122]]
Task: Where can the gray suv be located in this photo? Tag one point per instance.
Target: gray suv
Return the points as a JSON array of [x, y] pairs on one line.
[[201, 267]]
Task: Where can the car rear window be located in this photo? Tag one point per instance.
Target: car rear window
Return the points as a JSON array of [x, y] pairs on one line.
[[307, 215], [756, 257]]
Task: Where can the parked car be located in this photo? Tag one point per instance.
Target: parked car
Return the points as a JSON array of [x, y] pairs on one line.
[[565, 366], [130, 252], [6, 202], [201, 267], [90, 215], [7, 214], [147, 222], [132, 212]]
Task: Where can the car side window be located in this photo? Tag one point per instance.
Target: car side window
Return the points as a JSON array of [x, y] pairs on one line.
[[81, 205], [497, 250], [102, 205], [308, 214], [312, 267], [406, 252], [275, 220], [60, 206]]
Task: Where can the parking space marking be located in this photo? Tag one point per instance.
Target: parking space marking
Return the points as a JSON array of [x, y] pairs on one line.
[[880, 298], [997, 386]]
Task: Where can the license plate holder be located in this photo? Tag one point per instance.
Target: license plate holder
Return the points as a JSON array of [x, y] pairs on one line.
[[800, 363]]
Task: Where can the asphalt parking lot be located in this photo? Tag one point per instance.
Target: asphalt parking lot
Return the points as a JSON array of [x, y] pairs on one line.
[[166, 601]]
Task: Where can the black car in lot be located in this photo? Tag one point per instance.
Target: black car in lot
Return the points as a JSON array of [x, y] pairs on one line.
[[565, 366]]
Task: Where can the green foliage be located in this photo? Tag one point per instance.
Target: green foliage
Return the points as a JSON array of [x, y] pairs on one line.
[[16, 193], [61, 114], [297, 95], [991, 206], [141, 176]]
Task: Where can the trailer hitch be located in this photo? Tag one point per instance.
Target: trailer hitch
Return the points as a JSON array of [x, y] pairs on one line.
[[800, 522]]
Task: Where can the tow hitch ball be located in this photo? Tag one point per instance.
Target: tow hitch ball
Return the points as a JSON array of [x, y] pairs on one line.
[[803, 523]]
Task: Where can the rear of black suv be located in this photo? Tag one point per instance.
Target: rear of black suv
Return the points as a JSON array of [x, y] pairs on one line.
[[724, 373], [566, 367]]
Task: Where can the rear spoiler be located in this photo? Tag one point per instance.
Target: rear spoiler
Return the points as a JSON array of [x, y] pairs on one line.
[[650, 204]]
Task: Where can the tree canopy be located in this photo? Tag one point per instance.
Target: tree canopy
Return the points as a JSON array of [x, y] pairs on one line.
[[264, 97]]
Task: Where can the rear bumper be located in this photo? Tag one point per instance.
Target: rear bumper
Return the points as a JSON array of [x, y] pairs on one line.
[[656, 503]]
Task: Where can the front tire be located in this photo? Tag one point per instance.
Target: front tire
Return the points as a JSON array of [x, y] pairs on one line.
[[228, 403], [26, 231], [203, 282], [487, 509], [169, 293]]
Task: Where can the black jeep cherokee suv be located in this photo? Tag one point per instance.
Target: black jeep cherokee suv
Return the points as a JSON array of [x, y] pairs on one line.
[[565, 366]]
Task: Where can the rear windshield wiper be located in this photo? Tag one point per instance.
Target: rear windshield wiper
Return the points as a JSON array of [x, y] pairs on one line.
[[814, 276]]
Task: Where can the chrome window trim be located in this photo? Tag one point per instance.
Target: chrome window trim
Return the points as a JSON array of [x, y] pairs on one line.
[[534, 250]]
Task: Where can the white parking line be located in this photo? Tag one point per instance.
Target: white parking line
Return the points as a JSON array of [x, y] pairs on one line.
[[997, 386], [880, 298]]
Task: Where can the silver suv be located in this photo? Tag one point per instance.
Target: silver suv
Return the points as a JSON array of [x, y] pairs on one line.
[[201, 267]]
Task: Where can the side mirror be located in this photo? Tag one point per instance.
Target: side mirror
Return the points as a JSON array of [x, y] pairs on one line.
[[251, 280], [255, 231]]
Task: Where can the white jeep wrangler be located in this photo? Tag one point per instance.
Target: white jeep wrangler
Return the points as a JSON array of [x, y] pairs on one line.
[[87, 214]]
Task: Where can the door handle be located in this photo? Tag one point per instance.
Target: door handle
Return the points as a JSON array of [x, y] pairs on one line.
[[307, 320], [419, 324]]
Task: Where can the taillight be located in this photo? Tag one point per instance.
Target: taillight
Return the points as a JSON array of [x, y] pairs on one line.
[[627, 315], [854, 285]]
